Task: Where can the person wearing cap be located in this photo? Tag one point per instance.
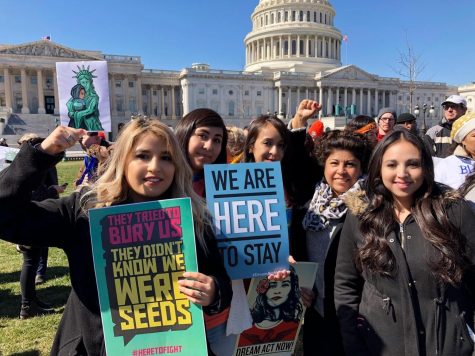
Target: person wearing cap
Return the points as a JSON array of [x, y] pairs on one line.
[[408, 121], [316, 129], [386, 120], [3, 142], [438, 138], [453, 169]]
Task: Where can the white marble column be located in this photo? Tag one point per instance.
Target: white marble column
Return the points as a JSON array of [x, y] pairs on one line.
[[337, 97], [162, 103], [345, 99], [173, 103], [127, 111], [112, 95], [8, 89], [280, 100], [24, 92], [272, 50], [185, 99], [320, 101], [150, 100], [298, 46], [353, 96], [360, 110], [369, 102], [41, 94], [298, 97], [376, 101], [139, 95], [289, 106], [56, 93], [330, 102]]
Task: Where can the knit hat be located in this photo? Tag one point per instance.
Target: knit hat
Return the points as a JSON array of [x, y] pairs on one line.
[[462, 127], [405, 117], [316, 129], [387, 110]]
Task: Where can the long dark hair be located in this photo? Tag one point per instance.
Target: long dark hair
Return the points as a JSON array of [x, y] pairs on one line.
[[199, 118], [256, 127], [290, 310], [253, 132], [429, 212]]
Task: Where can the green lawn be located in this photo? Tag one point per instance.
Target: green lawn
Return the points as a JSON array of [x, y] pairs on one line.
[[33, 336]]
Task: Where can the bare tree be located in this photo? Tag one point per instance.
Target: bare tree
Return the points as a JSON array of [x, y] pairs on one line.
[[409, 67]]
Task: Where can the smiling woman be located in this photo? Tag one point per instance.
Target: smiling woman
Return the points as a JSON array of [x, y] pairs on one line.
[[344, 156], [406, 255]]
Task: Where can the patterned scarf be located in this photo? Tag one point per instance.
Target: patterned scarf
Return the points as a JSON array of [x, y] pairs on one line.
[[325, 207]]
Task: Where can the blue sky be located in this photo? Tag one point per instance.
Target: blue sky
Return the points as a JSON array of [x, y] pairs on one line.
[[172, 34]]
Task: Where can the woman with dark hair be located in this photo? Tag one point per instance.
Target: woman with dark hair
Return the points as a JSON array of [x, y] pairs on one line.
[[404, 281], [270, 140], [344, 156], [365, 126], [203, 138], [276, 312]]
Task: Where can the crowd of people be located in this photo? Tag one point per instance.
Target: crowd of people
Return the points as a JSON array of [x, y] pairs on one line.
[[385, 213]]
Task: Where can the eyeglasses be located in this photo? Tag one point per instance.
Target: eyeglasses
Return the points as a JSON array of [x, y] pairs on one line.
[[452, 106], [388, 119]]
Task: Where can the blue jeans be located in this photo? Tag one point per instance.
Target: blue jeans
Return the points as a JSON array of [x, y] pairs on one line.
[[220, 344]]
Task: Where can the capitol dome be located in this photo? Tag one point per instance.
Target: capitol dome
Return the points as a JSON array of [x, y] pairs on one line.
[[294, 36]]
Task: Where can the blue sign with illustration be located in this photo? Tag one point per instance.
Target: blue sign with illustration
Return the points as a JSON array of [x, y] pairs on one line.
[[248, 207]]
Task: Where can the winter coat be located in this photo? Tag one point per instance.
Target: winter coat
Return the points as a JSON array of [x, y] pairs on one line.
[[407, 313], [63, 224], [438, 139]]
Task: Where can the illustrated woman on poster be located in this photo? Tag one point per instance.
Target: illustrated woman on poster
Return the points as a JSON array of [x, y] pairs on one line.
[[276, 312], [83, 106]]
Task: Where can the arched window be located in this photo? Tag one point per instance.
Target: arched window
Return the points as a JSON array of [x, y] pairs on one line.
[[279, 17], [301, 16], [294, 47], [231, 108], [272, 18], [286, 16], [308, 16]]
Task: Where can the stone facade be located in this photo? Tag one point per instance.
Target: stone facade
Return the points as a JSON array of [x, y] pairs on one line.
[[293, 52]]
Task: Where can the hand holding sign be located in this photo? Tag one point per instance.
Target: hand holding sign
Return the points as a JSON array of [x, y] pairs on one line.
[[198, 287]]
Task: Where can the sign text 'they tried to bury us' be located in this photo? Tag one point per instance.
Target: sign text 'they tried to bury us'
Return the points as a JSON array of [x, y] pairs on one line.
[[249, 216]]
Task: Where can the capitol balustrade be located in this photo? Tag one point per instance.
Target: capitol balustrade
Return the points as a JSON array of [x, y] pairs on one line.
[[121, 59]]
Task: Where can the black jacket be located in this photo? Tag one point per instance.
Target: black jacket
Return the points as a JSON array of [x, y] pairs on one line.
[[63, 224], [407, 313]]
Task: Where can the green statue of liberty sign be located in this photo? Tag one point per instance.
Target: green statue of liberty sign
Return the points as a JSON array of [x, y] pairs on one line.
[[83, 106]]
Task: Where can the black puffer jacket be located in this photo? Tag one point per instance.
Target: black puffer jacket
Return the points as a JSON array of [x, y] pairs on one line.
[[63, 224], [407, 313]]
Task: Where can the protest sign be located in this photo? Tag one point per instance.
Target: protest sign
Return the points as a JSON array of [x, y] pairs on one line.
[[140, 252], [277, 311], [83, 89], [247, 204], [7, 155]]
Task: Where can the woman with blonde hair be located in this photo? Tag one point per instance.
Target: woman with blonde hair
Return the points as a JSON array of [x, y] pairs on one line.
[[147, 165]]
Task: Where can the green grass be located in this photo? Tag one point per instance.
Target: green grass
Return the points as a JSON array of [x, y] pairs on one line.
[[33, 336]]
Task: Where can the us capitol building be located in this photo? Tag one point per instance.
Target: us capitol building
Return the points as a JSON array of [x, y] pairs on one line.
[[293, 52]]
